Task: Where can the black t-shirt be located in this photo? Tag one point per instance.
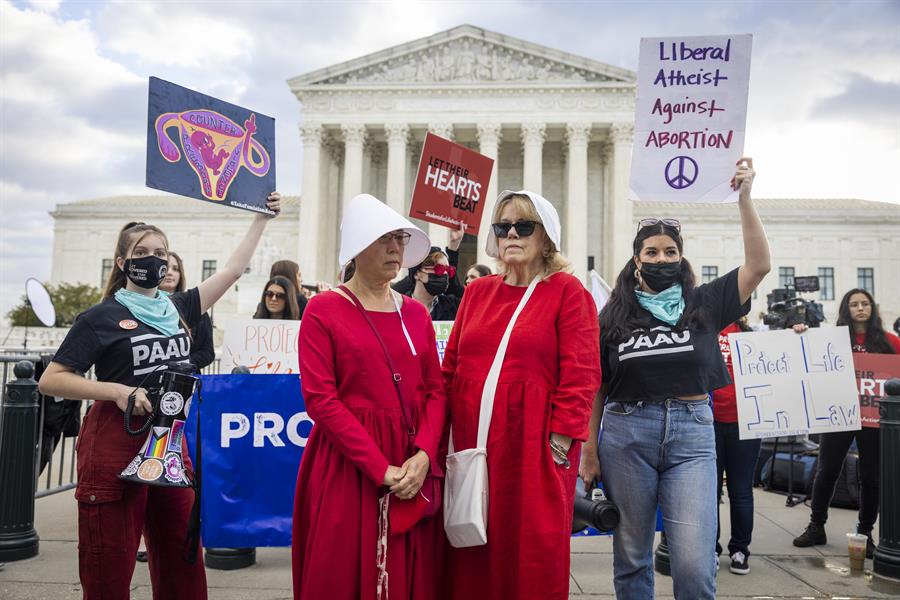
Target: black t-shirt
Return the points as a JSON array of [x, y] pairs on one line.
[[659, 361], [121, 348]]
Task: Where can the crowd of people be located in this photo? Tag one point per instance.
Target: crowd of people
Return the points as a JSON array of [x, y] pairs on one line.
[[639, 400]]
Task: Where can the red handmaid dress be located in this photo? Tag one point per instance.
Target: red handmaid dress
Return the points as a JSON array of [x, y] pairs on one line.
[[359, 430], [547, 384]]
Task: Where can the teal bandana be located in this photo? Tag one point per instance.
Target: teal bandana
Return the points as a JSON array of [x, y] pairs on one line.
[[666, 306], [157, 312]]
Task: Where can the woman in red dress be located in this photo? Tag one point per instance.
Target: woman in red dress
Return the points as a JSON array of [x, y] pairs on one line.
[[542, 404], [366, 451]]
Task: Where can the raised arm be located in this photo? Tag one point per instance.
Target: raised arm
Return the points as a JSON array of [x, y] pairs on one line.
[[216, 285], [757, 262]]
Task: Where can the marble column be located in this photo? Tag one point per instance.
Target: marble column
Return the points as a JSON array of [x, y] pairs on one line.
[[533, 156], [489, 145], [575, 227], [310, 221], [354, 139], [397, 137], [622, 217], [439, 234]]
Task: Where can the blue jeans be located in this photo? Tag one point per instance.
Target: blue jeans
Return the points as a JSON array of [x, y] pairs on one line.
[[665, 454], [736, 458]]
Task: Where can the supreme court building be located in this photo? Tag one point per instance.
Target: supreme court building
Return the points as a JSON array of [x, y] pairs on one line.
[[555, 123]]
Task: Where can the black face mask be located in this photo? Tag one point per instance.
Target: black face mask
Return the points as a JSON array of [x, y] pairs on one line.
[[146, 272], [661, 276], [437, 284]]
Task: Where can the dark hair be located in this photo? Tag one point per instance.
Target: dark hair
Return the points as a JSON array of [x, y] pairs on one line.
[[349, 271], [291, 308], [483, 271], [182, 285], [287, 269], [619, 318], [130, 236], [876, 339]]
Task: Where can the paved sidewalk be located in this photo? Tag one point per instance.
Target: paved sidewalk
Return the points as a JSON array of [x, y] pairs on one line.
[[778, 570]]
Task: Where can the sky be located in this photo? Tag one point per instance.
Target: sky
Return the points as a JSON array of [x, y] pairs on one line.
[[823, 115]]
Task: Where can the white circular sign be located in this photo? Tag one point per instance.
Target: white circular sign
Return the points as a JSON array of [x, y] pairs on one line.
[[171, 403]]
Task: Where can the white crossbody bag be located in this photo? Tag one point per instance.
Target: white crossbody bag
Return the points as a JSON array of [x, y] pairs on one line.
[[466, 479]]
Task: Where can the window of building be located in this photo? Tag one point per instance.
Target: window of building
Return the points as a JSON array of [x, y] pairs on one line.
[[826, 283], [785, 277], [105, 269], [209, 268], [865, 279], [708, 273]]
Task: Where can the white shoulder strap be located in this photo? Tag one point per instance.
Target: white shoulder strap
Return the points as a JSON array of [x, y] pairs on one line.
[[397, 304]]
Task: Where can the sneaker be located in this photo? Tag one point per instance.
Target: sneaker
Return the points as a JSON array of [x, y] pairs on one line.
[[813, 536], [740, 564]]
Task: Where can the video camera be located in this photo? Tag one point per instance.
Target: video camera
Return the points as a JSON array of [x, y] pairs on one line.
[[787, 309]]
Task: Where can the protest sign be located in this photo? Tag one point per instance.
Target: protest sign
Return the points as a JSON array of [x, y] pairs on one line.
[[253, 430], [265, 346], [205, 148], [441, 335], [690, 118], [451, 184], [789, 384], [872, 370]]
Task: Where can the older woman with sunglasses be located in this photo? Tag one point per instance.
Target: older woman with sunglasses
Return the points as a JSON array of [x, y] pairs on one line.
[[659, 344], [541, 403]]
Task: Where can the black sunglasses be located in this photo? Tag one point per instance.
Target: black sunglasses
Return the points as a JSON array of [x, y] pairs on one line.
[[674, 223], [523, 228]]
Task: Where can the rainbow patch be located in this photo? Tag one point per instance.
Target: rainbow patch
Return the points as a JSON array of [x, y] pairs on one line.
[[156, 447]]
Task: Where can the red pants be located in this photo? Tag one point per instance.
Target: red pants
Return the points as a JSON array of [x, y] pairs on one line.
[[109, 533]]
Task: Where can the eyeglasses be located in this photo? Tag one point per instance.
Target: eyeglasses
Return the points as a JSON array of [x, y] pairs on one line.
[[674, 223], [399, 236], [523, 228], [445, 270], [275, 295]]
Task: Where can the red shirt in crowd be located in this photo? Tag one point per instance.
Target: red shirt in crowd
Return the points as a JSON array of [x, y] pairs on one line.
[[724, 402]]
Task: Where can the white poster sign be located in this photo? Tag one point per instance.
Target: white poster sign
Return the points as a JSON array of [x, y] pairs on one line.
[[690, 118], [790, 384], [265, 346]]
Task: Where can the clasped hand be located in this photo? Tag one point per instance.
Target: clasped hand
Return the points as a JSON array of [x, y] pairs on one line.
[[406, 480]]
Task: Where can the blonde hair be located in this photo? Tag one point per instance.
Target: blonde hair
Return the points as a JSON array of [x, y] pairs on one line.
[[554, 260]]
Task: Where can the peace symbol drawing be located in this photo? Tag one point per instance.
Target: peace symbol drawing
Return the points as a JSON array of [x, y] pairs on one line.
[[681, 172]]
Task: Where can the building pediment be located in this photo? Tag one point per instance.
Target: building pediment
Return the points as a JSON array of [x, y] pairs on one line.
[[464, 55]]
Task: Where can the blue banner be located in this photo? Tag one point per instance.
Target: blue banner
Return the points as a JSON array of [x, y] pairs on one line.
[[254, 429]]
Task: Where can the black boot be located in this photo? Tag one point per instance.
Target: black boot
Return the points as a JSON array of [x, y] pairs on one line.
[[813, 536]]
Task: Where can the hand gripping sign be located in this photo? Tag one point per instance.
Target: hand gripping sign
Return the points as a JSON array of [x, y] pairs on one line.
[[218, 142]]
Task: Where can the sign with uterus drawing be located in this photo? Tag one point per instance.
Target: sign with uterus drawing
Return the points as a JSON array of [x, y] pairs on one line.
[[205, 148]]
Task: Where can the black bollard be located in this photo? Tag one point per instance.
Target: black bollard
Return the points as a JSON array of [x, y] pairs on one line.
[[661, 557], [887, 554], [228, 559], [18, 459]]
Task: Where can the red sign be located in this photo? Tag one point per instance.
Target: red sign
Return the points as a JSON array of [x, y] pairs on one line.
[[451, 184], [872, 370]]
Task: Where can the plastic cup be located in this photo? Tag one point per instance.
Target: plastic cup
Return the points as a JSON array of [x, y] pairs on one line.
[[856, 549]]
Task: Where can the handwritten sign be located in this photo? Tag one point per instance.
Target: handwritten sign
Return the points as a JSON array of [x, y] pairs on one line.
[[790, 384], [872, 370], [202, 147], [690, 118], [265, 346], [451, 184], [269, 346]]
